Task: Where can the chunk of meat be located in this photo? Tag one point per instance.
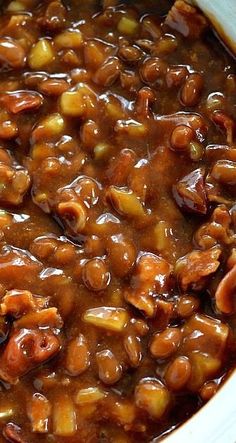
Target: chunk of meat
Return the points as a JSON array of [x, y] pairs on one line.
[[186, 19], [152, 276], [192, 269], [190, 194], [18, 302], [225, 295], [25, 350]]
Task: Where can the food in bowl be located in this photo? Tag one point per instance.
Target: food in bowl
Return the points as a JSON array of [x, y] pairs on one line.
[[117, 221]]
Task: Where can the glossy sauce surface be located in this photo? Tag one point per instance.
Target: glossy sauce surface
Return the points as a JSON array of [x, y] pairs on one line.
[[117, 221]]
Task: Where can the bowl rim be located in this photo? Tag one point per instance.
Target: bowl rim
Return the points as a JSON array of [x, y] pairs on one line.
[[214, 422]]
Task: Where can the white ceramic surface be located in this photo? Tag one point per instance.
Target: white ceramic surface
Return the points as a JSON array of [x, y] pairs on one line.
[[215, 422], [222, 14]]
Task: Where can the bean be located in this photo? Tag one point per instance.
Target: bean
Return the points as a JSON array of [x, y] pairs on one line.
[[11, 53], [208, 390], [120, 167], [71, 38], [108, 73], [8, 128], [195, 151], [77, 356], [190, 194], [51, 126], [215, 101], [95, 53], [88, 190], [231, 83], [133, 349], [224, 296], [127, 25], [192, 88], [187, 305], [16, 6], [64, 416], [109, 369], [39, 412], [96, 275], [178, 373], [41, 319], [94, 246], [53, 86], [181, 137], [152, 69], [13, 433], [153, 397], [90, 134], [74, 214], [108, 318], [166, 343], [176, 75], [151, 27]]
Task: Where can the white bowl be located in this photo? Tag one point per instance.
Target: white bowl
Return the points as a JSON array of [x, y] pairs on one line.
[[214, 423]]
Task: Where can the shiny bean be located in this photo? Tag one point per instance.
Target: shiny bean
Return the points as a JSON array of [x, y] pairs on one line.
[[152, 69], [108, 73], [224, 171], [12, 53], [133, 349], [181, 137], [129, 54], [77, 356], [192, 88], [109, 369], [165, 343], [178, 373], [96, 275]]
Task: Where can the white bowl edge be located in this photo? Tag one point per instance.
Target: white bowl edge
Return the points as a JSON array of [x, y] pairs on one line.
[[215, 422]]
